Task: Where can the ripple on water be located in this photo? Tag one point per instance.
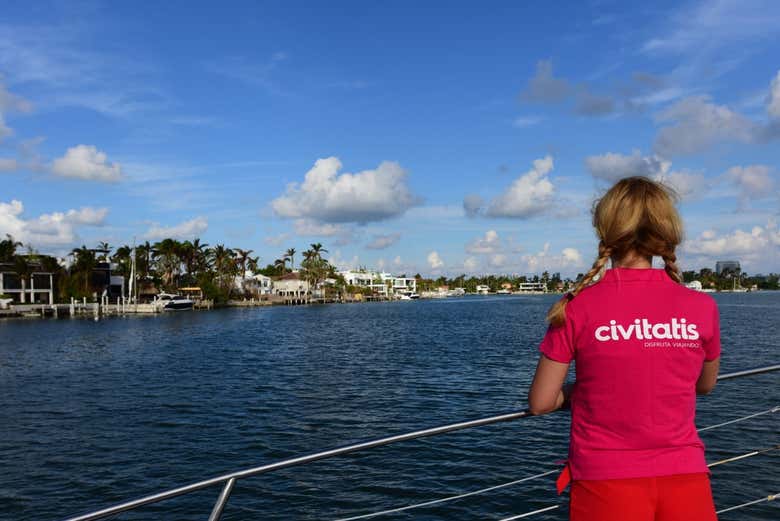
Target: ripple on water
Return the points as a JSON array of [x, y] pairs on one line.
[[97, 412]]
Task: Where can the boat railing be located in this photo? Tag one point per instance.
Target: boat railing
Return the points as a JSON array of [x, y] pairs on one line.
[[228, 481]]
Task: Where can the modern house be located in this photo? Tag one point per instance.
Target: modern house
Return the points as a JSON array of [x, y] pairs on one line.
[[483, 289], [381, 283], [35, 287]]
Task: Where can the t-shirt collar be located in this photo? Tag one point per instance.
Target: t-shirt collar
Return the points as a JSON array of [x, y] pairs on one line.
[[627, 274]]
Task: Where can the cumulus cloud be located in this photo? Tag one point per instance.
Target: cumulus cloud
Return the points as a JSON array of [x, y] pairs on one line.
[[489, 244], [86, 162], [753, 181], [435, 261], [546, 260], [276, 240], [589, 104], [544, 87], [185, 230], [758, 246], [380, 242], [529, 195], [53, 229], [685, 184], [327, 196], [695, 123], [614, 166]]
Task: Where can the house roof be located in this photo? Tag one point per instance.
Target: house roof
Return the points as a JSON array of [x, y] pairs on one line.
[[289, 276]]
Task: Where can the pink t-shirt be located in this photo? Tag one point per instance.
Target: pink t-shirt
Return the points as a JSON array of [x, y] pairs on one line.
[[638, 340]]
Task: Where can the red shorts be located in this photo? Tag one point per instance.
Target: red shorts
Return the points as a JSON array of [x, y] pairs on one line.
[[684, 497]]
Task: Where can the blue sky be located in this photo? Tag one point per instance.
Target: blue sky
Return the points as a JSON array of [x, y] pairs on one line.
[[457, 137]]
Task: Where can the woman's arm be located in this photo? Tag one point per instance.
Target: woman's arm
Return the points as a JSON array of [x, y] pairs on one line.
[[546, 393], [708, 376]]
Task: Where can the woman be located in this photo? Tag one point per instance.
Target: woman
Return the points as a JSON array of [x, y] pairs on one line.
[[644, 346]]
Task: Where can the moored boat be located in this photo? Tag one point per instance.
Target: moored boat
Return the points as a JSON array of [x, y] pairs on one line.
[[172, 302]]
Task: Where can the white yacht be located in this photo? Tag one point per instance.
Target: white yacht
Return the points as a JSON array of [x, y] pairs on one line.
[[172, 302]]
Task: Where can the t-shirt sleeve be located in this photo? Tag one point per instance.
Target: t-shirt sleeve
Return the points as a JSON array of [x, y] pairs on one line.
[[711, 345], [558, 343]]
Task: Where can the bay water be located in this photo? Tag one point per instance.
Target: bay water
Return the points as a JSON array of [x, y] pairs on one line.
[[93, 413]]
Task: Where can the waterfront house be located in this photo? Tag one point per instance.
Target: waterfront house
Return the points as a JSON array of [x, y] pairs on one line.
[[532, 287], [380, 283], [483, 289], [290, 285], [36, 286]]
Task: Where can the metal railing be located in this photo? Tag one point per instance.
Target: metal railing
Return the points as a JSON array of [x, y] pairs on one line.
[[228, 480]]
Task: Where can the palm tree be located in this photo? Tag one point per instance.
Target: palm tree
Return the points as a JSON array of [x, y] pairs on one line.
[[318, 249], [225, 266], [252, 264], [24, 270], [104, 248], [8, 248], [281, 266], [167, 253], [242, 256], [122, 257], [84, 263], [291, 254]]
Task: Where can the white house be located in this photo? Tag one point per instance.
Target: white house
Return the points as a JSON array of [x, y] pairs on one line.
[[483, 289], [290, 285], [382, 283]]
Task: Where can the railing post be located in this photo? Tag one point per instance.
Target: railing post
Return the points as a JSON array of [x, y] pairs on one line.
[[219, 506]]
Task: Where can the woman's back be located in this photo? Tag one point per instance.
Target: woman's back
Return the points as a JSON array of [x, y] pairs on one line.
[[638, 340]]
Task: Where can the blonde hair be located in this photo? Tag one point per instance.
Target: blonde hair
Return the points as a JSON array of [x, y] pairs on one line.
[[637, 215]]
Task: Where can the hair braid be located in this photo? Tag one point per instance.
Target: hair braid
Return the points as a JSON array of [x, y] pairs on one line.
[[557, 313], [670, 266]]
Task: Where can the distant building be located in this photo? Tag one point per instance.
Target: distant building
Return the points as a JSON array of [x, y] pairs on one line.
[[381, 283], [532, 286], [290, 285], [723, 267], [483, 289], [38, 285]]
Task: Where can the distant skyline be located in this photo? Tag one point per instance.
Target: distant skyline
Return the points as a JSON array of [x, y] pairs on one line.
[[471, 139]]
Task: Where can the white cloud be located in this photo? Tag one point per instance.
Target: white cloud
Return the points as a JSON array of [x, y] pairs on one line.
[[489, 244], [53, 229], [8, 164], [435, 261], [87, 162], [380, 242], [545, 260], [529, 195], [758, 247], [327, 196], [614, 166], [773, 105], [695, 123], [470, 264], [705, 27], [685, 184], [11, 102], [185, 230], [753, 181]]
